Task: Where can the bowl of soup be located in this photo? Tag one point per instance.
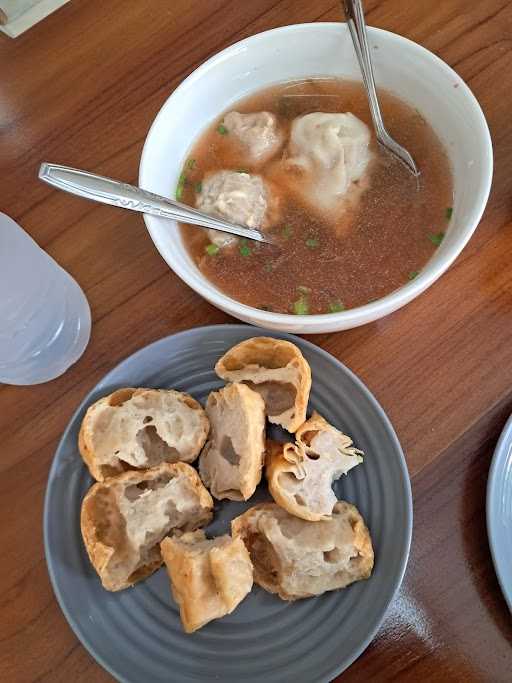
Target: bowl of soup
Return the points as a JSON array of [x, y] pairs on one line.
[[274, 132]]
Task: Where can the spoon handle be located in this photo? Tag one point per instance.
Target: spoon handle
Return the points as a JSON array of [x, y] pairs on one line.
[[357, 27], [125, 196]]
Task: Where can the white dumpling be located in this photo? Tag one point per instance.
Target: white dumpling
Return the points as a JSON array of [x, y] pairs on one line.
[[333, 151], [258, 133], [237, 197]]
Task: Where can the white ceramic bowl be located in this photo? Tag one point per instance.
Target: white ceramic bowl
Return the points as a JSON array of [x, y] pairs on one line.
[[322, 49]]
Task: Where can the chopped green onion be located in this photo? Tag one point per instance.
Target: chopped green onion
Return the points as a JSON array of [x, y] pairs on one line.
[[181, 184], [336, 307], [199, 187], [312, 243], [287, 232], [304, 290], [245, 249], [221, 128], [448, 213], [301, 306], [436, 238], [191, 163], [268, 267], [413, 274], [212, 249]]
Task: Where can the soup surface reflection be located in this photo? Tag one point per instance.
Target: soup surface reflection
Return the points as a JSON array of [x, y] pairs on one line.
[[324, 260]]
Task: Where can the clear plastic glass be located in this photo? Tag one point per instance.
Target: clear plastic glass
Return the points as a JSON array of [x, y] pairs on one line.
[[45, 320]]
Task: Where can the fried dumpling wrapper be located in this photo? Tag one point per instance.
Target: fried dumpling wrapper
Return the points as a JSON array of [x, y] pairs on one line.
[[277, 370], [209, 578], [300, 475], [298, 559]]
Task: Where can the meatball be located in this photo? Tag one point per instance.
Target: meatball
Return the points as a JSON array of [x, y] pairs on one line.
[[238, 197], [258, 133]]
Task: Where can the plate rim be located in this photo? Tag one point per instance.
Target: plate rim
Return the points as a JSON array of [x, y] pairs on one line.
[[356, 653], [502, 452]]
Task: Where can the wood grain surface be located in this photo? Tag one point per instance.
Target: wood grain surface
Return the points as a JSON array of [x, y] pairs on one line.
[[82, 88]]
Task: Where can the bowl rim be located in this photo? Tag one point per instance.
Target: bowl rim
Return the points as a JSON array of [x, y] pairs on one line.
[[359, 315]]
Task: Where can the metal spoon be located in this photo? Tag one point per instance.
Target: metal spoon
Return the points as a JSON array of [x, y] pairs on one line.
[[357, 27], [116, 193]]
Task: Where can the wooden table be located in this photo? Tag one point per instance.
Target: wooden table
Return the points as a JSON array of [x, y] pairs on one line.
[[81, 89]]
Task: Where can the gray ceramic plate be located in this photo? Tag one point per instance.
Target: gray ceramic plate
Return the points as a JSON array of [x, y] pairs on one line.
[[136, 634], [499, 511]]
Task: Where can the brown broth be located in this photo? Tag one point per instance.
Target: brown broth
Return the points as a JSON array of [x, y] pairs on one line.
[[370, 251]]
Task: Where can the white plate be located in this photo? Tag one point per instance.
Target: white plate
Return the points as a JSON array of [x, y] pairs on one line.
[[499, 511]]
